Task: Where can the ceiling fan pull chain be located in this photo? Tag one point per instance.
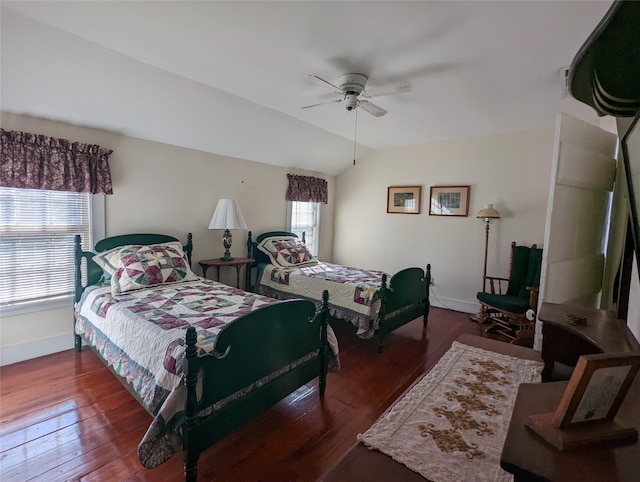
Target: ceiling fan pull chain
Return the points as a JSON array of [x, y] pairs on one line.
[[355, 134]]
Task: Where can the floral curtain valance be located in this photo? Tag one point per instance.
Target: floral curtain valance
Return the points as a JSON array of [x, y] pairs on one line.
[[306, 189], [33, 161]]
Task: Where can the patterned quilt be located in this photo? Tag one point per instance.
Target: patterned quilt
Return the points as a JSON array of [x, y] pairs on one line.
[[353, 293], [141, 336]]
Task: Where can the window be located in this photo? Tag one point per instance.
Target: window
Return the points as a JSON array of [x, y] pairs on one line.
[[37, 230], [305, 217]]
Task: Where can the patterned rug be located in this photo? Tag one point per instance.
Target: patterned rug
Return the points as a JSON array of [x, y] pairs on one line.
[[452, 424]]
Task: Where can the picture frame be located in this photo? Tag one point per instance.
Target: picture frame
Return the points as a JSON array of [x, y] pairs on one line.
[[404, 199], [449, 201], [596, 389]]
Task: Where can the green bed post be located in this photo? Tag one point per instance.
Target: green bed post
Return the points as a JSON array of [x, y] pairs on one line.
[[77, 250], [188, 248], [427, 280], [324, 344], [248, 268], [190, 369]]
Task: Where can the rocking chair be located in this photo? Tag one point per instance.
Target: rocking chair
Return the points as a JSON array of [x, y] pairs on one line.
[[506, 313]]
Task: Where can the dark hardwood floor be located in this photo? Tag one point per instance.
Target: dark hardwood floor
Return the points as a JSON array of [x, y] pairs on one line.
[[66, 417]]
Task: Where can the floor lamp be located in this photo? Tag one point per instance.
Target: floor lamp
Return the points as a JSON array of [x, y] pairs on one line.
[[487, 215]]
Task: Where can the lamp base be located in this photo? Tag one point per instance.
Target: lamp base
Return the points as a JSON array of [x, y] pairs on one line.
[[227, 256], [226, 242]]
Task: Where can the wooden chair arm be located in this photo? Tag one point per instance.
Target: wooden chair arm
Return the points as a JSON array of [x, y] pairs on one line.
[[533, 297], [492, 284]]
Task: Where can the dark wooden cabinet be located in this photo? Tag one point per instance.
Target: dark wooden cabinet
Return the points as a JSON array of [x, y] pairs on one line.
[[565, 342]]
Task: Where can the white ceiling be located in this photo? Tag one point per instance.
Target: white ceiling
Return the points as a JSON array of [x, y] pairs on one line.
[[228, 77]]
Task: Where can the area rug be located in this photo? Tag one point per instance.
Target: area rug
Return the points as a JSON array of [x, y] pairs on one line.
[[451, 425]]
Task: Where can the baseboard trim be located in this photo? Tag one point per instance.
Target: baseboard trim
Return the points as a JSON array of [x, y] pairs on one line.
[[455, 305], [34, 349]]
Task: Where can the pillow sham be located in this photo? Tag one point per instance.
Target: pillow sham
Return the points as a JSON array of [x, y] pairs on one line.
[[135, 267], [286, 251]]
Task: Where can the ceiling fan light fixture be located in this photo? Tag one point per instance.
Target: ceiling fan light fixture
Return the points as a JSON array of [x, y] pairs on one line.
[[352, 83], [351, 86], [351, 101]]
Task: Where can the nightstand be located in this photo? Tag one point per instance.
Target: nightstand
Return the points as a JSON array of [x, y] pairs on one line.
[[237, 263]]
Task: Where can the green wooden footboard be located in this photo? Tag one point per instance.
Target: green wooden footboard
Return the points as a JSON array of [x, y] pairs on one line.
[[406, 299], [261, 343]]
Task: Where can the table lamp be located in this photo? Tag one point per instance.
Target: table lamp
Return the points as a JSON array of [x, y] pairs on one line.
[[227, 216]]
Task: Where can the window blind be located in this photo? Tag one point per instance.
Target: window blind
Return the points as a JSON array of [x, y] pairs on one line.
[[305, 217], [37, 230]]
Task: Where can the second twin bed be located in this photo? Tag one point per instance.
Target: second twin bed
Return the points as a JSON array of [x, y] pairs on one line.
[[373, 301]]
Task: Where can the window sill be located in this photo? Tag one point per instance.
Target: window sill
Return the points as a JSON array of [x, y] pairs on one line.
[[34, 306]]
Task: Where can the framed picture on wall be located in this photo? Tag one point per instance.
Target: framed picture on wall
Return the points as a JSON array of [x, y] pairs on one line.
[[449, 201], [403, 199]]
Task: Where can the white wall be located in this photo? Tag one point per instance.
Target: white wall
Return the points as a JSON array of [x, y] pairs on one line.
[[160, 188], [511, 171]]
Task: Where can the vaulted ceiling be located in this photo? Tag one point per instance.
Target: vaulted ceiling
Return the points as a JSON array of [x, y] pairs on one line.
[[229, 77]]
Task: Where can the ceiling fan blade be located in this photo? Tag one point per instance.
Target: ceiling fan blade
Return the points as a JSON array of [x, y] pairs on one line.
[[324, 83], [397, 88], [371, 108], [322, 103]]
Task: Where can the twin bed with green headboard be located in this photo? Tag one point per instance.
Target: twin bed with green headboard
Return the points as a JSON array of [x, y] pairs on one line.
[[374, 302], [200, 356]]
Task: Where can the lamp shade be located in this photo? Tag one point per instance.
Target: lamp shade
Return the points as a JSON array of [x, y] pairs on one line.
[[488, 212], [227, 216]]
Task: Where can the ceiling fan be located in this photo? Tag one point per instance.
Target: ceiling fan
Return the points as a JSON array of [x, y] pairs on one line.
[[352, 89]]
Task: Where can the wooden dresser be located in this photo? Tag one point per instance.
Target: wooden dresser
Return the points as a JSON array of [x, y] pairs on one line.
[[565, 342]]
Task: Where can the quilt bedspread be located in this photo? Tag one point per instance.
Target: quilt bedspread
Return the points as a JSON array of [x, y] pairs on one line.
[[141, 334], [353, 293]]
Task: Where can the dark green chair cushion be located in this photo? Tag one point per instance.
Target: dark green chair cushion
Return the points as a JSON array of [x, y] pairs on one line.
[[512, 304], [525, 272], [519, 267], [532, 278]]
